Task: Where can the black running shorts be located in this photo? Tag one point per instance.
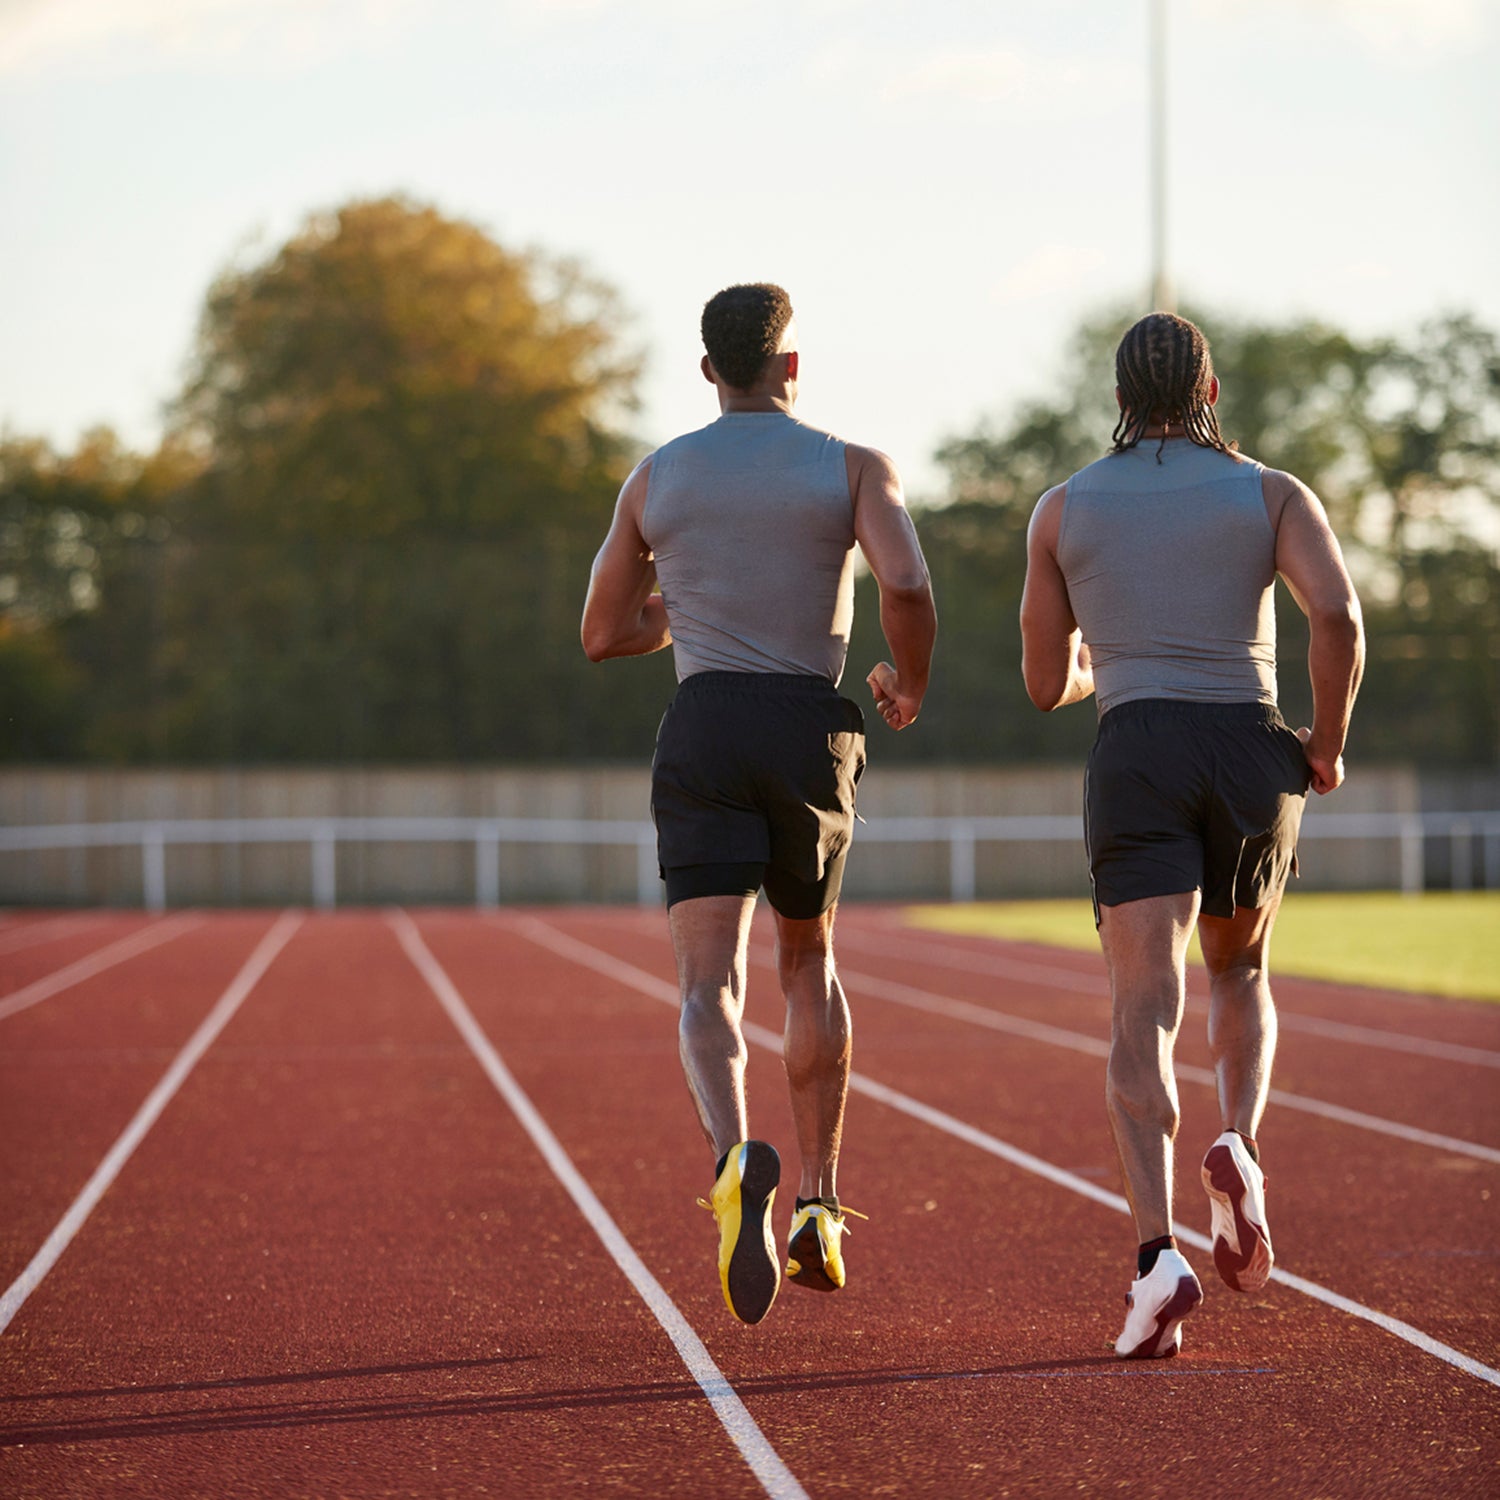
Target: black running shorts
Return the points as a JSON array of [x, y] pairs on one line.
[[1193, 796], [753, 784]]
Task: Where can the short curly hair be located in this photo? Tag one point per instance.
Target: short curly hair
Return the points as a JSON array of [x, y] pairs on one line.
[[742, 328]]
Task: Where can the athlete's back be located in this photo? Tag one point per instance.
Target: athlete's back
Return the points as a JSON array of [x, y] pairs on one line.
[[1169, 568], [751, 525]]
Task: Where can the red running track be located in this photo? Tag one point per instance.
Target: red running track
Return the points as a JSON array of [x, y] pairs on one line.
[[377, 1205]]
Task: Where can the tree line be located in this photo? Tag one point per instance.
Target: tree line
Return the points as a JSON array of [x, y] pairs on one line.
[[366, 533]]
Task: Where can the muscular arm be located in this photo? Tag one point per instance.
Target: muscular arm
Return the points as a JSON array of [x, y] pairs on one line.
[[1054, 658], [1309, 559], [908, 616], [622, 616]]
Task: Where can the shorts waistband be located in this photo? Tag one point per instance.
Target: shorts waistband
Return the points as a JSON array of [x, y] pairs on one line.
[[1192, 712], [755, 683]]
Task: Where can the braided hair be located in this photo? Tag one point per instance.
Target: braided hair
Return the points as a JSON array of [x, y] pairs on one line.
[[1164, 371], [742, 328]]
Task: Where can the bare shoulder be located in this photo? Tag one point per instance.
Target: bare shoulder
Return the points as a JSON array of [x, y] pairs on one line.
[[640, 475], [1281, 490], [859, 457], [1046, 518], [871, 471], [633, 492]]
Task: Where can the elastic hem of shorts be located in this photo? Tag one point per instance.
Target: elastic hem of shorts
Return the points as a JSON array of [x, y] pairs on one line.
[[1155, 895], [755, 682], [723, 878], [1192, 709]]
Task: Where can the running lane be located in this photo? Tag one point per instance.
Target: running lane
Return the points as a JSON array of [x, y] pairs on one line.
[[43, 950], [75, 1066], [970, 1350], [1405, 1226], [337, 1266]]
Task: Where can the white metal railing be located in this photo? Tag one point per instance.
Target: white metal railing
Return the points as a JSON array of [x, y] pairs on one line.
[[962, 835], [323, 835]]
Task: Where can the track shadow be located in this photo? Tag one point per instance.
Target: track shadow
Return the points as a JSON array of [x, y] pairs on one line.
[[295, 1412], [300, 1377]]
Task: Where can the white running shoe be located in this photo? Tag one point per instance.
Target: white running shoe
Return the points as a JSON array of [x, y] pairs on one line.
[[1158, 1302], [1236, 1189]]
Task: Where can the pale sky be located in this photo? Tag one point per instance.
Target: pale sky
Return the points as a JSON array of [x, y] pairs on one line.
[[944, 186]]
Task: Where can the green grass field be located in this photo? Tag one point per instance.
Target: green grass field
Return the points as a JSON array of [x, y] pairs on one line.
[[1438, 944]]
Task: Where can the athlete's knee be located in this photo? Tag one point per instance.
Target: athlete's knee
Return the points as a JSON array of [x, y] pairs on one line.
[[807, 978], [710, 1002], [1242, 974], [1138, 1084], [1235, 965]]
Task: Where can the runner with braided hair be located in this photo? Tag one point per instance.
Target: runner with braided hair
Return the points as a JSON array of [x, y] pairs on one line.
[[1149, 584], [1163, 367]]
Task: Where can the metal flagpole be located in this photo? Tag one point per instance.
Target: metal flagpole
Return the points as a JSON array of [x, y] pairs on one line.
[[1162, 296]]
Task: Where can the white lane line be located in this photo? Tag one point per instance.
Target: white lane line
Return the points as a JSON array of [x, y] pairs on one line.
[[44, 931], [97, 962], [585, 954], [1023, 1159], [1097, 986], [999, 966], [1390, 1041], [146, 1116], [765, 1463], [1077, 1041]]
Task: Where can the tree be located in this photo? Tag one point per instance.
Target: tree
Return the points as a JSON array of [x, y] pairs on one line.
[[405, 454], [368, 534], [66, 520], [391, 370]]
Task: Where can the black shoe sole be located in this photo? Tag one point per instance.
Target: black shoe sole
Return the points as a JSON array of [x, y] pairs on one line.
[[808, 1254], [754, 1271]]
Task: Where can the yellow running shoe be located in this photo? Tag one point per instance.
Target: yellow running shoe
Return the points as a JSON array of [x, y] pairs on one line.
[[741, 1202], [814, 1252]]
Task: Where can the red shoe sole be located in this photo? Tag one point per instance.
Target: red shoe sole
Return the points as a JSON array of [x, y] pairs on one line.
[[1161, 1343], [1245, 1269]]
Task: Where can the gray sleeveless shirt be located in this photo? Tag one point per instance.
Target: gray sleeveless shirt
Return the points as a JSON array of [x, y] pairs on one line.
[[752, 527], [1169, 569]]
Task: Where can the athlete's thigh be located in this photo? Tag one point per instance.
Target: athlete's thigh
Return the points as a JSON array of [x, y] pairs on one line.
[[1240, 941], [1148, 938], [1145, 943], [709, 937], [799, 939]]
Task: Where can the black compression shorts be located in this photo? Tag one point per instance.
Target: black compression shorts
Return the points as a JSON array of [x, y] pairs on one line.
[[1183, 796], [753, 784]]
